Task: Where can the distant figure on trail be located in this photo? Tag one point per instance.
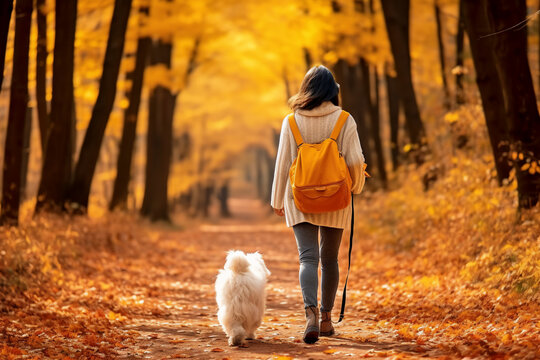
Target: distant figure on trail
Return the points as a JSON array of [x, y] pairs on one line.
[[317, 119]]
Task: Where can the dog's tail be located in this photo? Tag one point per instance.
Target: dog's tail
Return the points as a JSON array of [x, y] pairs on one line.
[[237, 261]]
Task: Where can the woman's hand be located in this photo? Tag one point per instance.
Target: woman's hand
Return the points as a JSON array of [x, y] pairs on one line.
[[279, 212]]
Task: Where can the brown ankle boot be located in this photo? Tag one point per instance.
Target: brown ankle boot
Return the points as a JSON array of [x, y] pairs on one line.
[[311, 334], [326, 327]]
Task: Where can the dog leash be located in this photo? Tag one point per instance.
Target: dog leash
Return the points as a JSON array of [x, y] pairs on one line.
[[344, 298]]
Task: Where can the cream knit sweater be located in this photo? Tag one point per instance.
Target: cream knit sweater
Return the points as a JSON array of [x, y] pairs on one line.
[[315, 126]]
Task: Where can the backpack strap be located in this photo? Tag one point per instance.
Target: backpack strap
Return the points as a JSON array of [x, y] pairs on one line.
[[339, 124], [295, 130]]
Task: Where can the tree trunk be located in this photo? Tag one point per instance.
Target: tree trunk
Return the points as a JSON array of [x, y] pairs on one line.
[[267, 163], [18, 103], [363, 95], [396, 16], [476, 24], [288, 92], [159, 141], [123, 168], [460, 38], [308, 59], [354, 101], [223, 197], [26, 151], [56, 173], [518, 90], [259, 171], [375, 129], [89, 153], [271, 164], [6, 7], [206, 201], [442, 54], [393, 115], [41, 73], [160, 134]]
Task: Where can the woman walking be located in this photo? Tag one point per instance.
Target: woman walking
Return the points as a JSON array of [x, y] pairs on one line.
[[316, 113]]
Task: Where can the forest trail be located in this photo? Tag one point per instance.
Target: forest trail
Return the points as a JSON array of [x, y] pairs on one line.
[[179, 280]]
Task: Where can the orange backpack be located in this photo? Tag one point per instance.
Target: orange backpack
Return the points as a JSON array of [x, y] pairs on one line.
[[319, 176]]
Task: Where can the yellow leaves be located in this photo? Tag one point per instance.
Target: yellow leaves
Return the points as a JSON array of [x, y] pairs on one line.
[[330, 57], [451, 117], [281, 357], [405, 332], [407, 148], [429, 281], [111, 315], [159, 75], [329, 351], [123, 103]]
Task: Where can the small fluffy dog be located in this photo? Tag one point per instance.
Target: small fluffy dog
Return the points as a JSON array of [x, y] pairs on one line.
[[241, 295]]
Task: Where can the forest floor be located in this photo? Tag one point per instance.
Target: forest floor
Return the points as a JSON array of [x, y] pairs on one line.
[[147, 292]]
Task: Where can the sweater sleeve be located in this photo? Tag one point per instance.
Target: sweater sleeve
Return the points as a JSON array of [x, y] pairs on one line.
[[283, 163], [354, 157]]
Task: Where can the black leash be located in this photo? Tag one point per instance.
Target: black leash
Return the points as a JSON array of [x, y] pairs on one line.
[[344, 298]]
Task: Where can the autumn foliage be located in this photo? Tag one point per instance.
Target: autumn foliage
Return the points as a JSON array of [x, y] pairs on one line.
[[138, 146]]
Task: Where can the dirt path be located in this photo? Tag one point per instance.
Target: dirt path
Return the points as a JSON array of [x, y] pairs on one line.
[[181, 269]]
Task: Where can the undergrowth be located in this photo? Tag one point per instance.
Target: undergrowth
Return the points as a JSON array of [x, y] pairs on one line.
[[464, 225], [37, 254]]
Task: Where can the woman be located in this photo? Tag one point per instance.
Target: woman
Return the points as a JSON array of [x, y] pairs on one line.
[[316, 110]]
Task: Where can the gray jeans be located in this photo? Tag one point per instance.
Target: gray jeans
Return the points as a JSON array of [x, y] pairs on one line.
[[307, 240]]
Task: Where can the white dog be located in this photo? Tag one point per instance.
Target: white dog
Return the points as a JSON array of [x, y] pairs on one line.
[[241, 295]]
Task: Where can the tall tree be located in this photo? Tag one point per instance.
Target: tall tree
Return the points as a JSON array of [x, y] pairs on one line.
[[460, 41], [477, 25], [353, 99], [6, 7], [123, 168], [442, 54], [159, 140], [223, 197], [41, 73], [18, 103], [160, 133], [375, 126], [396, 16], [26, 151], [392, 95], [56, 172], [89, 153], [519, 97]]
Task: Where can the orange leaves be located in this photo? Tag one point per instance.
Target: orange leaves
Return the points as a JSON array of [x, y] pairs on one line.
[[406, 332], [91, 340], [452, 267], [11, 352], [532, 167], [329, 351]]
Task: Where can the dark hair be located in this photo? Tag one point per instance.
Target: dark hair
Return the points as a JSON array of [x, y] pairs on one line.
[[317, 87]]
